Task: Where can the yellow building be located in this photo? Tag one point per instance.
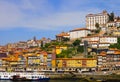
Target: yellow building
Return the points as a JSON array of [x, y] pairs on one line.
[[76, 62], [116, 33], [53, 63], [60, 48]]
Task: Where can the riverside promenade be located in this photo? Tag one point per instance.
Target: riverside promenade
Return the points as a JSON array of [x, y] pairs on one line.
[[109, 75]]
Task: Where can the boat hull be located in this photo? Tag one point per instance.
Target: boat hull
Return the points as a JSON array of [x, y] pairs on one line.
[[22, 79], [19, 78]]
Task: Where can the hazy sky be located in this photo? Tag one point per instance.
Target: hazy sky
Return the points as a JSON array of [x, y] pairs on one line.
[[20, 20]]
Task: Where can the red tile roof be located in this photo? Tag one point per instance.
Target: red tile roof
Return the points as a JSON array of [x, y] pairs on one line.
[[79, 29], [63, 34]]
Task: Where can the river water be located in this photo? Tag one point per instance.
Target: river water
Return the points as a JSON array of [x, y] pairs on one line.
[[71, 80], [43, 81]]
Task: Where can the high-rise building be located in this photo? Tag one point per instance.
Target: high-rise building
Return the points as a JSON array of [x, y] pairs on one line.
[[100, 18]]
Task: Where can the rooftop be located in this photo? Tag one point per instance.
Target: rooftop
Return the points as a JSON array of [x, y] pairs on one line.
[[79, 29], [98, 14], [63, 34]]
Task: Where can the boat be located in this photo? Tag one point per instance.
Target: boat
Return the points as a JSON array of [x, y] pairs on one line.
[[29, 77], [6, 75]]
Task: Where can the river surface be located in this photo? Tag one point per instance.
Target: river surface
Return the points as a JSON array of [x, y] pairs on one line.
[[55, 81], [43, 81]]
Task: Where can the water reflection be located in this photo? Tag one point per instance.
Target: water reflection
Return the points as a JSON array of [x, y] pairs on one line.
[[71, 80]]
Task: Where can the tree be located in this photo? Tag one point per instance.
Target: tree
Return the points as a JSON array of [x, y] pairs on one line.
[[117, 45], [80, 49], [97, 25], [47, 45], [66, 39], [111, 16], [89, 35], [76, 42], [97, 31], [65, 54]]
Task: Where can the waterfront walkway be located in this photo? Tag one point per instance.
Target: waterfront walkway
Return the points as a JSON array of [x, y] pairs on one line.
[[96, 75]]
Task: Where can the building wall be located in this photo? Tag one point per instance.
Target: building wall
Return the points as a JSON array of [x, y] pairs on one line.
[[78, 34], [110, 60], [75, 63], [53, 63], [110, 40], [116, 33], [103, 39], [113, 24], [92, 19], [0, 62], [91, 38], [118, 24]]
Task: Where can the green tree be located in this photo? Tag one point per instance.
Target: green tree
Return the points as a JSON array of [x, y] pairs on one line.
[[97, 31], [47, 45], [117, 45], [76, 42], [66, 39], [97, 25], [80, 49], [111, 16], [89, 35], [65, 54]]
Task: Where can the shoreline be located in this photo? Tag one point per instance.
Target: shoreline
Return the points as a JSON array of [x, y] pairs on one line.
[[87, 77]]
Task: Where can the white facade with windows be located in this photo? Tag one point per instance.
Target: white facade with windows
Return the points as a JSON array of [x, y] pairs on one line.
[[78, 33], [100, 41], [100, 18], [111, 40]]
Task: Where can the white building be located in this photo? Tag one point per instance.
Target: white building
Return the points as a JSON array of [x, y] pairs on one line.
[[91, 39], [100, 45], [78, 33], [118, 23], [100, 41], [113, 24], [100, 18], [62, 35], [108, 39]]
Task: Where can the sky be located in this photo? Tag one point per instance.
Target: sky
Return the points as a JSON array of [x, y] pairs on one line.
[[21, 20]]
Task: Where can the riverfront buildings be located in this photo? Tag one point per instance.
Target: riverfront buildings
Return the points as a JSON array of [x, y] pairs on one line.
[[52, 55]]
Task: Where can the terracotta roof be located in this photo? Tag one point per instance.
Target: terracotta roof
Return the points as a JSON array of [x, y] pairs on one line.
[[79, 29], [43, 38], [113, 49], [104, 43], [102, 13], [117, 52], [63, 34], [118, 21], [103, 53], [111, 22], [93, 41], [90, 36]]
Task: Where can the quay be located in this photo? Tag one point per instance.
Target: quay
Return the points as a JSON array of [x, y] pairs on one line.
[[88, 76]]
